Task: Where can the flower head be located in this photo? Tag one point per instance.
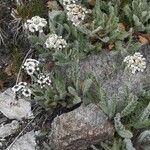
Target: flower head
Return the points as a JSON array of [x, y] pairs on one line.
[[30, 66], [135, 62], [44, 80], [76, 13], [22, 88], [19, 86], [55, 42], [35, 24]]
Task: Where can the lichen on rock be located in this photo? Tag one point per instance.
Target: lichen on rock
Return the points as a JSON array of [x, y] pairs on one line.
[[80, 128]]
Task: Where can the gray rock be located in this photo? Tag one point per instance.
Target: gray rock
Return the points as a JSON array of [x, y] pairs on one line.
[[9, 129], [109, 70], [25, 142], [80, 128], [14, 109]]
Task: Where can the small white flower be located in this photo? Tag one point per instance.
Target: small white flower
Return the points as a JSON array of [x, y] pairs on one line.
[[19, 87], [55, 42], [26, 92], [30, 70], [35, 24], [76, 13], [30, 66], [22, 83], [16, 88], [66, 2], [135, 62], [47, 80], [44, 80]]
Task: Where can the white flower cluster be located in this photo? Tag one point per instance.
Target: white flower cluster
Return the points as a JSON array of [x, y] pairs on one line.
[[35, 24], [56, 42], [76, 13], [43, 80], [66, 2], [22, 87], [135, 62], [30, 66]]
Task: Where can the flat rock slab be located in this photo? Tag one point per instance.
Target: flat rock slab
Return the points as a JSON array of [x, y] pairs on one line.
[[9, 129], [14, 109], [25, 142], [79, 129]]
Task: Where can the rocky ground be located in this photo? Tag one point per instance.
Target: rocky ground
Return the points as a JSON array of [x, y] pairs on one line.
[[26, 126], [77, 129]]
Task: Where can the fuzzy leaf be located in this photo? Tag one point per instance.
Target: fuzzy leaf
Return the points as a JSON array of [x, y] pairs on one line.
[[144, 136], [125, 134], [60, 86], [86, 85], [142, 124], [76, 100], [128, 144], [121, 129], [72, 91], [146, 113], [136, 20], [129, 108]]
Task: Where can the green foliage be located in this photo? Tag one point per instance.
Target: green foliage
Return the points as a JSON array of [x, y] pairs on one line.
[[74, 93], [27, 9], [97, 95], [86, 86], [129, 108], [97, 31], [60, 92], [106, 23], [16, 60], [50, 96], [138, 14], [38, 8], [146, 113], [121, 129], [142, 124], [144, 136], [131, 112], [128, 144]]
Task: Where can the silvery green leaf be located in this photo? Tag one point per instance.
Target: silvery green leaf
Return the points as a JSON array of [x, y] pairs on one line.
[[60, 86], [74, 31], [146, 113], [144, 136], [137, 20], [125, 134], [67, 29], [128, 13], [86, 85], [128, 144], [76, 100], [129, 108], [120, 128], [105, 39], [53, 14], [83, 29], [72, 91], [112, 107], [52, 23], [142, 124], [144, 13]]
